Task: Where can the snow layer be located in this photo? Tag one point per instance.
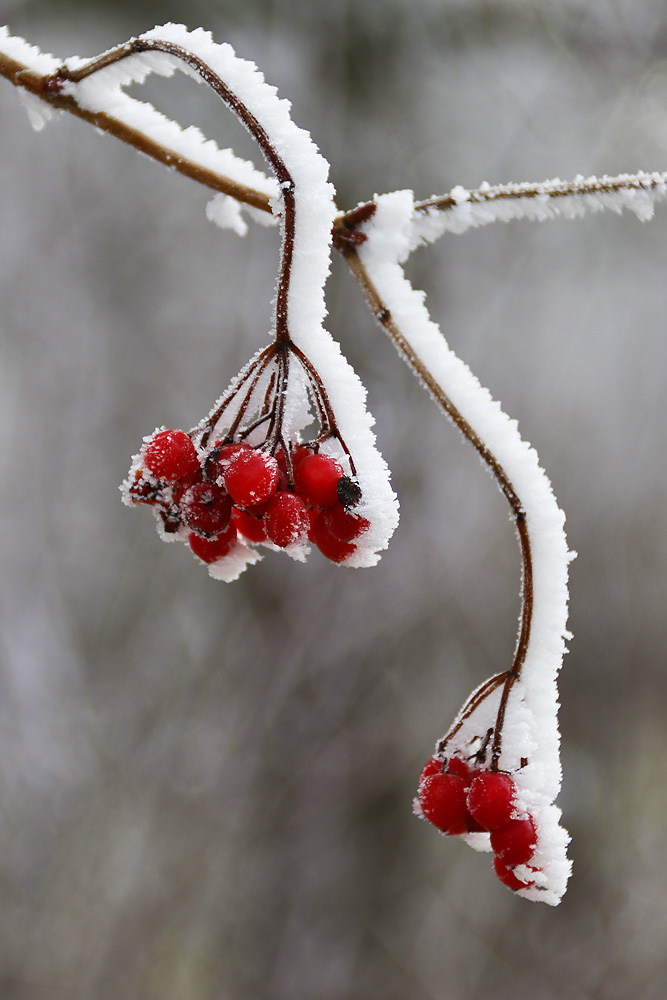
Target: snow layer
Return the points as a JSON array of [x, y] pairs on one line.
[[23, 52], [530, 747]]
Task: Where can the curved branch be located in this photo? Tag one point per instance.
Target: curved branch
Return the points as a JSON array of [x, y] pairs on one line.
[[139, 45], [445, 404]]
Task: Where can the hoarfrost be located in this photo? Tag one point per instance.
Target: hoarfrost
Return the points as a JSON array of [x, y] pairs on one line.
[[39, 113]]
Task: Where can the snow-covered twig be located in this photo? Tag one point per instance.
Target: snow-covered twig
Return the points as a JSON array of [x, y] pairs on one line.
[[188, 152], [509, 724], [461, 209], [134, 122]]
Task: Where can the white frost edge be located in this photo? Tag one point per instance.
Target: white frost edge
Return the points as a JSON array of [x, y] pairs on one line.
[[230, 567], [228, 213], [531, 727], [520, 201], [17, 48]]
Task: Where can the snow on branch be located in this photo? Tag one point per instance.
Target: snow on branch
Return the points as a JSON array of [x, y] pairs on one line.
[[509, 725], [47, 86], [461, 209]]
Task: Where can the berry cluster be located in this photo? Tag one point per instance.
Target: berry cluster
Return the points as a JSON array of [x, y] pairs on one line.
[[233, 491], [457, 798]]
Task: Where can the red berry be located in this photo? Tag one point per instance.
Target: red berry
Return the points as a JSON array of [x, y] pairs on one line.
[[507, 876], [298, 453], [472, 826], [457, 766], [344, 526], [211, 549], [515, 842], [286, 519], [491, 799], [316, 480], [207, 508], [251, 477], [442, 798], [171, 456], [219, 459], [432, 766], [250, 526], [331, 547]]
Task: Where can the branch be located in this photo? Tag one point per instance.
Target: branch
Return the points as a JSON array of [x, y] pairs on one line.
[[509, 724], [461, 210], [136, 123]]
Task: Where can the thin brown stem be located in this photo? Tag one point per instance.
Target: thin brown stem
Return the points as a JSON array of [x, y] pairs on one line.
[[549, 189], [476, 699], [442, 400], [260, 362]]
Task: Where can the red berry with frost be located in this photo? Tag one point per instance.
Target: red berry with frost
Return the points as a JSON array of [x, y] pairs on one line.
[[220, 457], [171, 456], [207, 508], [286, 519], [432, 766], [210, 550], [507, 876], [331, 547], [442, 798], [251, 477], [316, 480], [250, 526], [457, 766], [515, 842], [491, 799], [344, 526]]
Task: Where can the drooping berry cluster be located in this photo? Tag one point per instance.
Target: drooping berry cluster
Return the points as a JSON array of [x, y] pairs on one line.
[[457, 798], [232, 493]]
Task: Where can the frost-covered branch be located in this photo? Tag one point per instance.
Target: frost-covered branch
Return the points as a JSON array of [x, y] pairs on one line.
[[461, 209], [509, 724], [134, 122]]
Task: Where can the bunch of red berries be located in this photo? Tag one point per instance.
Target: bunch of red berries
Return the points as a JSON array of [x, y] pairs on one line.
[[457, 798], [234, 489]]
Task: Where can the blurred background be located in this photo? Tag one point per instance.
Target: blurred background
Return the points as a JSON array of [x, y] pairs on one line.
[[205, 788]]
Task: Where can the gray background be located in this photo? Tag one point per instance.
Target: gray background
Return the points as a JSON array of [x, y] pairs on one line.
[[206, 789]]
